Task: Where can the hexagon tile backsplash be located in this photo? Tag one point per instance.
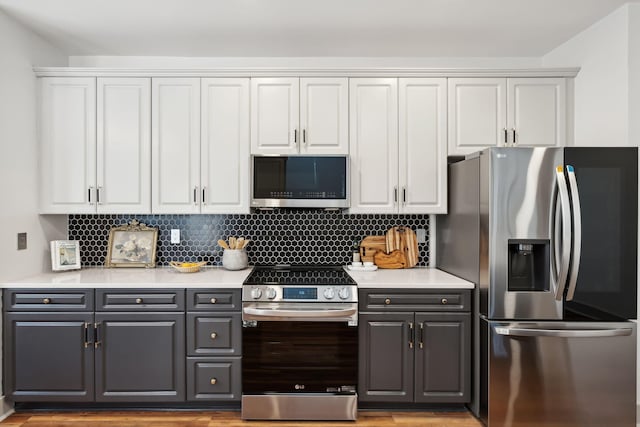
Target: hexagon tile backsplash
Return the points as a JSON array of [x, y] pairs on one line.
[[277, 237]]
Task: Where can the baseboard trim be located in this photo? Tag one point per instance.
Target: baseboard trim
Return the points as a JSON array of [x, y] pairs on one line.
[[6, 408]]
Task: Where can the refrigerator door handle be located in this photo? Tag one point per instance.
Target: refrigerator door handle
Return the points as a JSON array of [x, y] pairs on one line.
[[563, 333], [577, 232], [566, 232]]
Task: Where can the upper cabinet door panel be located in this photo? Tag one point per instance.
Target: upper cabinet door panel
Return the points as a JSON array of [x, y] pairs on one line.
[[537, 111], [274, 115], [324, 115], [477, 114], [67, 144], [124, 145], [423, 145], [225, 145], [374, 145], [175, 141]]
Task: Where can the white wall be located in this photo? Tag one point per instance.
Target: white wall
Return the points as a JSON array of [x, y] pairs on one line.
[[602, 85]]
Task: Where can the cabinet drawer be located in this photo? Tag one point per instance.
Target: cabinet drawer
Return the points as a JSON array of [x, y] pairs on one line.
[[214, 335], [48, 300], [214, 378], [214, 299], [139, 300], [415, 300]]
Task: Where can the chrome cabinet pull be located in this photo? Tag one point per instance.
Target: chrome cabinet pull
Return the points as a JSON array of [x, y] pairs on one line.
[[213, 381], [421, 345], [46, 300], [138, 300], [214, 335], [204, 189], [89, 194], [505, 136], [395, 194], [213, 300], [195, 195], [514, 136], [444, 301], [404, 195], [387, 301], [295, 136], [410, 334], [97, 333], [304, 136], [98, 195]]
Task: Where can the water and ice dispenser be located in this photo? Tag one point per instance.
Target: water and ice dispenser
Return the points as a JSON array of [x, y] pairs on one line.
[[529, 265]]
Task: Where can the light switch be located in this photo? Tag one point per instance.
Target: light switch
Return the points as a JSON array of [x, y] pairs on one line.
[[22, 241], [175, 235]]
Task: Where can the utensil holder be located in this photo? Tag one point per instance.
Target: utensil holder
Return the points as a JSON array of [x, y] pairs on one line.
[[234, 259]]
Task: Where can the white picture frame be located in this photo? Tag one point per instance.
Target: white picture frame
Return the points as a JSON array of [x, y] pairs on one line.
[[65, 255]]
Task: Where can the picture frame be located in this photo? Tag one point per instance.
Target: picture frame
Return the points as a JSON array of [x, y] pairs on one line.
[[132, 245], [65, 255]]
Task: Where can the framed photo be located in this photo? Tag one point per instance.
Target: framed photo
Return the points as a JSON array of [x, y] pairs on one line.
[[132, 245], [65, 255]]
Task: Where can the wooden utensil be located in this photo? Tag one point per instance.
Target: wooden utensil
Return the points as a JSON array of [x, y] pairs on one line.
[[395, 259], [370, 245], [223, 244], [232, 242], [245, 243], [239, 242]]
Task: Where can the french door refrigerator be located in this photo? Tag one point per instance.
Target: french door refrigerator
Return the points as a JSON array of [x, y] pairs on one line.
[[549, 235]]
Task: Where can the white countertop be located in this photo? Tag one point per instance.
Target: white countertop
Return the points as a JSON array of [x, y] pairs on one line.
[[217, 277], [412, 278], [159, 278]]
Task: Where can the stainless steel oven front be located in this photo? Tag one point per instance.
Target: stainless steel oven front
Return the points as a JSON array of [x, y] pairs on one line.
[[300, 352]]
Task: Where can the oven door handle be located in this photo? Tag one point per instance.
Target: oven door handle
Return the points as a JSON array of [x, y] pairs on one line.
[[289, 314]]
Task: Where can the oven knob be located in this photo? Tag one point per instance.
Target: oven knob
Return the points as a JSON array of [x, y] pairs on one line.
[[329, 293], [344, 293], [271, 293], [256, 293]]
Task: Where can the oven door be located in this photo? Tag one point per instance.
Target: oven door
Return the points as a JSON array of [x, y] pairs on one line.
[[289, 349]]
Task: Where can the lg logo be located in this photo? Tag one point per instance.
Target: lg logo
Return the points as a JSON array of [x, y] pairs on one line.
[[299, 386]]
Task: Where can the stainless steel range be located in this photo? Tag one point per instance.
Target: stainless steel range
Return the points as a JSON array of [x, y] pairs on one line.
[[300, 344]]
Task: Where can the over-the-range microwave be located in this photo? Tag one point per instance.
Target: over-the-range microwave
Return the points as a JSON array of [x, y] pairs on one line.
[[281, 181]]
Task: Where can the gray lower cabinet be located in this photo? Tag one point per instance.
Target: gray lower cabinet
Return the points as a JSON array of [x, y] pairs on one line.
[[413, 356], [140, 357], [48, 357]]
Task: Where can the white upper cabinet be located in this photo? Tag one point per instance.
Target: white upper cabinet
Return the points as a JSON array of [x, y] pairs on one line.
[[374, 145], [225, 145], [299, 116], [423, 145], [504, 112], [67, 144], [175, 130], [124, 145], [537, 113]]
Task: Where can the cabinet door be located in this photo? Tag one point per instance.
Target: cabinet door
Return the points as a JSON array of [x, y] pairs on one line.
[[386, 357], [324, 115], [443, 362], [67, 144], [124, 145], [225, 145], [477, 114], [536, 114], [423, 145], [214, 334], [374, 145], [274, 115], [140, 357], [48, 357], [175, 145]]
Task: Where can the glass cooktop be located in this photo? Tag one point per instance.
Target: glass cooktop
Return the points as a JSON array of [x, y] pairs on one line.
[[299, 275]]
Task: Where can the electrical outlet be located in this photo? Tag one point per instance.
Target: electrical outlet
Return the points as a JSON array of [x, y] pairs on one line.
[[22, 241], [175, 236], [421, 235]]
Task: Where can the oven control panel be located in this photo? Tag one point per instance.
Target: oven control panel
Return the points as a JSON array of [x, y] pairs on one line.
[[302, 293]]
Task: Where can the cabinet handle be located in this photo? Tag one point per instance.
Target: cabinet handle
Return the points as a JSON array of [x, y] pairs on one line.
[[410, 334], [387, 301], [304, 136], [86, 335], [214, 381], [421, 345], [89, 194], [214, 300], [395, 194], [97, 332], [98, 195], [138, 300], [505, 136], [204, 189], [444, 301], [513, 141], [295, 136], [214, 335], [404, 195], [46, 300], [195, 195]]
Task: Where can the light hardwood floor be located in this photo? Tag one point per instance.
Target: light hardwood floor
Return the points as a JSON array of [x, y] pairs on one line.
[[231, 419]]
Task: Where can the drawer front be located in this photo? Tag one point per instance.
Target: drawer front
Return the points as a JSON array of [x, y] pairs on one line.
[[48, 300], [214, 379], [415, 300], [139, 300], [214, 300], [214, 335]]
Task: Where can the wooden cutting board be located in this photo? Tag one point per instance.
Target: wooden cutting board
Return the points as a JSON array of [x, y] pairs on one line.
[[370, 245], [395, 259], [404, 240]]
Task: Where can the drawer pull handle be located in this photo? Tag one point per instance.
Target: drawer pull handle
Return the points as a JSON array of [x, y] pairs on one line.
[[444, 301], [214, 300], [214, 381], [214, 335], [138, 300], [387, 301], [46, 300]]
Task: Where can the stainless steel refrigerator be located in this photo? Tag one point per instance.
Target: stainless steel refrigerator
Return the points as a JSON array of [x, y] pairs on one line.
[[549, 235]]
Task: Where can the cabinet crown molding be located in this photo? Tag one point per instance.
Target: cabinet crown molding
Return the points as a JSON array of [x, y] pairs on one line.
[[304, 72]]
